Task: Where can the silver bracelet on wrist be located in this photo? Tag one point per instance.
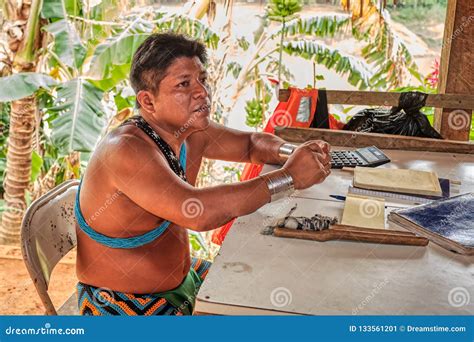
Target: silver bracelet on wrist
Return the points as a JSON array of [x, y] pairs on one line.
[[279, 184], [286, 150]]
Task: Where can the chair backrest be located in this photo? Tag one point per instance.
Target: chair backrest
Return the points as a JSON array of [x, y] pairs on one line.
[[48, 233]]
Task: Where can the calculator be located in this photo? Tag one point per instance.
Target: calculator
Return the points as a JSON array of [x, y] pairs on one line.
[[367, 156]]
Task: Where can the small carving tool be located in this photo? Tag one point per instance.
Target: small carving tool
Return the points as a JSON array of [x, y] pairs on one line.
[[323, 228]]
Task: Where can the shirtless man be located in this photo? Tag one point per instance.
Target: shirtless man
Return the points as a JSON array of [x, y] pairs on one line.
[[137, 198]]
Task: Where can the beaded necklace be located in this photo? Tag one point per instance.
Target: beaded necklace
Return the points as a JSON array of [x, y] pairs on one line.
[[170, 156]]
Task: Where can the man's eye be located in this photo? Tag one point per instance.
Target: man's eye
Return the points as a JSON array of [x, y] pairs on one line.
[[184, 84], [204, 80]]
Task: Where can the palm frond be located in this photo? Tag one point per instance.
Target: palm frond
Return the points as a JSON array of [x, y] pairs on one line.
[[358, 71], [181, 23], [77, 116], [326, 25], [384, 48]]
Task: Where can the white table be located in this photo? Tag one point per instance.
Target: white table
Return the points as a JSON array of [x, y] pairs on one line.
[[257, 274]]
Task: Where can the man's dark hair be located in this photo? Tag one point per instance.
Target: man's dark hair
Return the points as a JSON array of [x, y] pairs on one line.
[[155, 55]]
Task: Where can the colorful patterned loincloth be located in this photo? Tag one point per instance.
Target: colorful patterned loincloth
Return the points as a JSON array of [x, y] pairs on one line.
[[96, 301]]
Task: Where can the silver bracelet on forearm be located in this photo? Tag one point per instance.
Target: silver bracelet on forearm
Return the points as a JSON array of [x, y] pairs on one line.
[[280, 184], [286, 150]]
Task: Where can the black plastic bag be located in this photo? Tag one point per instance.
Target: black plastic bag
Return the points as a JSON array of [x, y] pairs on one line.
[[404, 119]]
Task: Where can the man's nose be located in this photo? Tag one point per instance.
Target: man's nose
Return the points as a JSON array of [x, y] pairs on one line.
[[201, 90]]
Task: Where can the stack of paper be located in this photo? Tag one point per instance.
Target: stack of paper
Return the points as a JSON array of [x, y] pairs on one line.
[[398, 180], [362, 211]]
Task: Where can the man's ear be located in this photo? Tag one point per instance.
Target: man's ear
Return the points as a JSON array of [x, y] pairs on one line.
[[145, 98]]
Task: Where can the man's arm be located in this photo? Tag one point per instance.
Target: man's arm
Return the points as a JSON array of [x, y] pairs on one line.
[[144, 176], [229, 144]]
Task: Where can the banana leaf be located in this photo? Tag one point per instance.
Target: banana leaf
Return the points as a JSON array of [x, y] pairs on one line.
[[21, 85], [358, 71], [320, 26], [60, 9], [67, 43], [77, 117]]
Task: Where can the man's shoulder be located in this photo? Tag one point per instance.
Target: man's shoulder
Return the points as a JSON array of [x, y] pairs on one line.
[[125, 139], [126, 145]]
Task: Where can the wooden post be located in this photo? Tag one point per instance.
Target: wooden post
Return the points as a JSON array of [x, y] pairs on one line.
[[457, 69]]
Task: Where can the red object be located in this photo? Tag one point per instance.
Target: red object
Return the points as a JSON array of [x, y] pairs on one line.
[[285, 115], [335, 123], [433, 78]]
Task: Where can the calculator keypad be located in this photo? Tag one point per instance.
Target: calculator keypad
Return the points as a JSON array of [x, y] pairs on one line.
[[367, 156], [339, 159]]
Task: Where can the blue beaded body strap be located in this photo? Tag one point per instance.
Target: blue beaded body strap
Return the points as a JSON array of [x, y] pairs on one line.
[[135, 241]]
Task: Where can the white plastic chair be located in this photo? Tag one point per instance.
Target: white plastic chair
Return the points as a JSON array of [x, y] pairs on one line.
[[48, 233]]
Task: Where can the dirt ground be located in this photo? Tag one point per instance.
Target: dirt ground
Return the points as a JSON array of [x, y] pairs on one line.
[[17, 291]]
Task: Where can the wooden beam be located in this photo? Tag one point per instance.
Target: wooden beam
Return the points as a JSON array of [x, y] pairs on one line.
[[457, 69], [374, 98], [383, 141]]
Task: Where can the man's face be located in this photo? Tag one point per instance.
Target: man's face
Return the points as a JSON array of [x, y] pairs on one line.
[[183, 98]]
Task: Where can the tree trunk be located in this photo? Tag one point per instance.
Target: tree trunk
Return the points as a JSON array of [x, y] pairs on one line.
[[22, 121], [17, 177]]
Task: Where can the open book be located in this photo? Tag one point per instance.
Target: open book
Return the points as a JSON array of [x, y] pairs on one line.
[[448, 222]]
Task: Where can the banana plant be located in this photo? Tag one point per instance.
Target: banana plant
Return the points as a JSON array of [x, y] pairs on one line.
[[266, 57], [385, 50], [76, 114], [87, 72], [360, 74], [22, 118], [84, 66], [76, 77], [110, 60], [255, 109], [262, 61], [70, 111], [282, 11]]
